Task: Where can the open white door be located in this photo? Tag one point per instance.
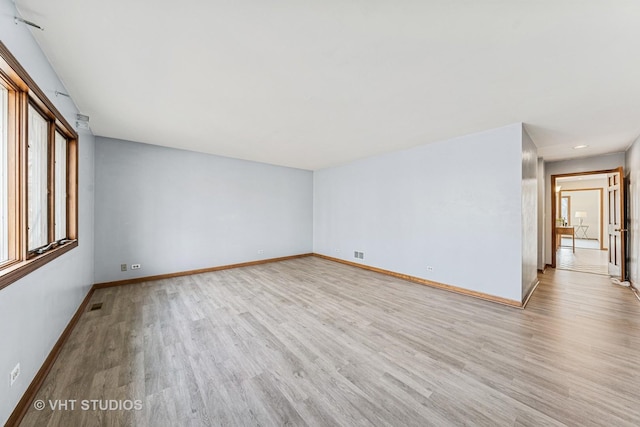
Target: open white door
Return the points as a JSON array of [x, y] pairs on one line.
[[616, 225]]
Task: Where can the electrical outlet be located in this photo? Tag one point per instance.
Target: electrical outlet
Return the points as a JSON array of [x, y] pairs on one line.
[[123, 267], [135, 266], [337, 251], [15, 373], [260, 251], [429, 268]]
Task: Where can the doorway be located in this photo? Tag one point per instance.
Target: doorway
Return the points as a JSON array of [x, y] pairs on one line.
[[586, 222], [582, 209]]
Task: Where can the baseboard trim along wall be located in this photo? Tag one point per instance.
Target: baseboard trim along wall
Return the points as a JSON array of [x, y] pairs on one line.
[[191, 272], [458, 290], [463, 291], [27, 398]]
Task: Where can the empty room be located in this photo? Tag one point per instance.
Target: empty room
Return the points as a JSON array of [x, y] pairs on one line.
[[372, 213]]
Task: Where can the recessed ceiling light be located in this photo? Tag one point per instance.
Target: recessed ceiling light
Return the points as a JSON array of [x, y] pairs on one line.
[[577, 147]]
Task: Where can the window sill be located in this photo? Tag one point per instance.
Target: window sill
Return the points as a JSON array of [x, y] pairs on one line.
[[21, 269]]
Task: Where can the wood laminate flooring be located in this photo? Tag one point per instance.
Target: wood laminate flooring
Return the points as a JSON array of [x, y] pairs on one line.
[[313, 342]]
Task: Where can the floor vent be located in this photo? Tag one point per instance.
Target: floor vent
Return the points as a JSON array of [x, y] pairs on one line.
[[96, 306]]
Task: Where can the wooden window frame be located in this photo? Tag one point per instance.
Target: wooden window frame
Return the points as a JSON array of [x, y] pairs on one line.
[[23, 92]]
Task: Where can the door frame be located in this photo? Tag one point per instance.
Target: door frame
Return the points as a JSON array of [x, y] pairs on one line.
[[553, 202]]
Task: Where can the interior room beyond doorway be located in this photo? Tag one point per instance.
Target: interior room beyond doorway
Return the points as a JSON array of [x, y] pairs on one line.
[[581, 220]]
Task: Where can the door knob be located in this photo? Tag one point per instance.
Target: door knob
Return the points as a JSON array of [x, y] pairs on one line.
[[620, 229]]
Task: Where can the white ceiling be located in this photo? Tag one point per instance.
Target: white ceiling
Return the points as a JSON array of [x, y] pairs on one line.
[[311, 84]]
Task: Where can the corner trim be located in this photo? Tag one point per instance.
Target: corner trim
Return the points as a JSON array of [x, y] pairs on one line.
[[198, 271], [450, 288], [528, 296], [634, 289], [27, 398]]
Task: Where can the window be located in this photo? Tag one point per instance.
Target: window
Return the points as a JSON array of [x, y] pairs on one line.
[[37, 181], [4, 169], [60, 183], [38, 175]]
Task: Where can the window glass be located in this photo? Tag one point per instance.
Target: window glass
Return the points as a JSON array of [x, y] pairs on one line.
[[4, 175], [60, 213], [37, 180]]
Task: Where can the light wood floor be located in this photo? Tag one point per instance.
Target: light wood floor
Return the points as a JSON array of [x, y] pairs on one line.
[[312, 342], [585, 260]]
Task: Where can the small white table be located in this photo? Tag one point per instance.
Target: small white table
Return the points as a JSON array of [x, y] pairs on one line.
[[581, 231]]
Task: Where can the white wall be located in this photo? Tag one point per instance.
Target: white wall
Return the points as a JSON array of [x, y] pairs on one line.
[[174, 210], [529, 214], [587, 201], [35, 310], [632, 168], [586, 164], [455, 205]]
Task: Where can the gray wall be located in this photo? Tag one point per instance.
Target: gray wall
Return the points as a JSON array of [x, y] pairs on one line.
[[35, 310], [529, 214], [632, 169], [587, 164], [173, 210], [541, 217], [454, 205]]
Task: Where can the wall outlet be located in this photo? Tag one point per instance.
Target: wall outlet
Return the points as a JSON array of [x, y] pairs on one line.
[[260, 251], [123, 267], [429, 268], [135, 266], [15, 373], [337, 251], [358, 255]]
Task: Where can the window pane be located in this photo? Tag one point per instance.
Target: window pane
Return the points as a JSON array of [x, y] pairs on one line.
[[37, 180], [4, 177], [61, 187]]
